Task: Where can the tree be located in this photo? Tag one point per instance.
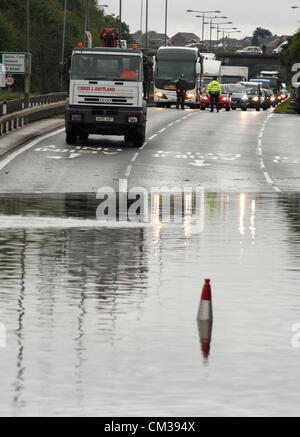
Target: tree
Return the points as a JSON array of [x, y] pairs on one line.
[[46, 24], [260, 33]]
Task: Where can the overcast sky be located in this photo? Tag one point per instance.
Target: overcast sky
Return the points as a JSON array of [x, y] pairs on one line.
[[246, 15]]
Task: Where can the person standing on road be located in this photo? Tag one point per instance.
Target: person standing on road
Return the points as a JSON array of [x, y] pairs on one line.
[[181, 89], [214, 89]]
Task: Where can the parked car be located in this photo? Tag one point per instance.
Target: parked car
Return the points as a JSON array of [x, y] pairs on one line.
[[279, 49], [239, 97], [251, 50], [256, 95], [224, 100]]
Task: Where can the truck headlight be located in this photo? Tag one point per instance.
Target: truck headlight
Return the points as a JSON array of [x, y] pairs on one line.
[[132, 119], [245, 97], [76, 117]]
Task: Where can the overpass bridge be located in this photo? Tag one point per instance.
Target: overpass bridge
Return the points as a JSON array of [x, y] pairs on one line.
[[247, 61]]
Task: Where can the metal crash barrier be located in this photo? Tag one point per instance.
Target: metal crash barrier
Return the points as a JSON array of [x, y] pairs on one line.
[[13, 115]]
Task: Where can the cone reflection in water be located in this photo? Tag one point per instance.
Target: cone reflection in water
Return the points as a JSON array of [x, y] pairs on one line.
[[205, 318], [205, 330]]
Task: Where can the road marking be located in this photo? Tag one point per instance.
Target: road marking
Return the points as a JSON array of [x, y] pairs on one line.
[[199, 163], [162, 130], [28, 146], [134, 157], [144, 145], [153, 136], [128, 171], [259, 150]]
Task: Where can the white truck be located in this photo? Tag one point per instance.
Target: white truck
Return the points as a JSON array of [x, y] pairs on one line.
[[106, 95], [211, 69], [234, 74]]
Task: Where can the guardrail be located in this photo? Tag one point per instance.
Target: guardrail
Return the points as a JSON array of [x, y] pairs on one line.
[[10, 122], [10, 106]]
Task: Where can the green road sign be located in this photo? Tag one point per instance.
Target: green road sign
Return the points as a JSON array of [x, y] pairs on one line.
[[13, 62]]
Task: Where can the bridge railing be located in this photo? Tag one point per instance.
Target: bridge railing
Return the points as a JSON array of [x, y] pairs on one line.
[[18, 104], [37, 111]]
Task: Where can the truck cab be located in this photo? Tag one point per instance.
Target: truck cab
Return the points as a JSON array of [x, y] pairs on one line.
[[106, 95]]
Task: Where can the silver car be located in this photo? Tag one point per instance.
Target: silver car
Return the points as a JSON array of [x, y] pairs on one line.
[[251, 50]]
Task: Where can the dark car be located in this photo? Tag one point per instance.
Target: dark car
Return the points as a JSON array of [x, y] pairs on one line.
[[239, 97], [256, 95], [270, 98]]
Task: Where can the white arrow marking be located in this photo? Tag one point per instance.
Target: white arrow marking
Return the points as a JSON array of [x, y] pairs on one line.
[[199, 163]]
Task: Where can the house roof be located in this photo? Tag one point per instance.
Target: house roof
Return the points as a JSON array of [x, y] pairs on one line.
[[187, 35]]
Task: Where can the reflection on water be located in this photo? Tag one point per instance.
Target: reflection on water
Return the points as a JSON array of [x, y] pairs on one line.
[[101, 320]]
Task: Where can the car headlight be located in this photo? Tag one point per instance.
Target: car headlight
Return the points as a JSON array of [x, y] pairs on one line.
[[272, 99], [190, 95], [160, 95], [245, 97], [132, 119], [255, 99]]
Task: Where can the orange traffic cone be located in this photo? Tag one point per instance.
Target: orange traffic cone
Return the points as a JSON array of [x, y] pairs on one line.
[[205, 306], [205, 319]]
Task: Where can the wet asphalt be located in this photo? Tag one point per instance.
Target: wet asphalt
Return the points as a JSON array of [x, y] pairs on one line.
[[232, 152]]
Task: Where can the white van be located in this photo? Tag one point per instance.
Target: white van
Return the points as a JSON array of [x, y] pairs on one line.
[[280, 48]]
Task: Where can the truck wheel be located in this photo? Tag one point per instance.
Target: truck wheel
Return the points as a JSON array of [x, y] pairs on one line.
[[234, 109], [258, 109], [139, 136], [71, 137], [228, 108], [244, 109]]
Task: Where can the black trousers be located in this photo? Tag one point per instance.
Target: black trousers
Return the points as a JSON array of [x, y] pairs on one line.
[[214, 100], [180, 99]]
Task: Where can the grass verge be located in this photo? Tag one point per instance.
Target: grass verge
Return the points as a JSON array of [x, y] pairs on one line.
[[283, 108]]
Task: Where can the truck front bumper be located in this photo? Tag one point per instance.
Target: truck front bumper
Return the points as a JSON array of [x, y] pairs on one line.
[[104, 120]]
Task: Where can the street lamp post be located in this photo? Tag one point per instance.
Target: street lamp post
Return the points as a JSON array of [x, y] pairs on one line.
[[63, 42], [120, 23], [146, 30], [27, 58], [218, 30], [224, 29], [166, 21], [211, 28], [232, 31], [203, 18]]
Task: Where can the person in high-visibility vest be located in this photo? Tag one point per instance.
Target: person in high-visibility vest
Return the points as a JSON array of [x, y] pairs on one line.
[[214, 89]]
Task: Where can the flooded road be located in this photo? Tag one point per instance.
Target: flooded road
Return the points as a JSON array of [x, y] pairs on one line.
[[100, 319]]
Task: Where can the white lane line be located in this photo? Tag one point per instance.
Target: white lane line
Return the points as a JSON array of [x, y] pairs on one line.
[[259, 151], [153, 136], [134, 157], [162, 130], [28, 146], [128, 171], [144, 145], [170, 124]]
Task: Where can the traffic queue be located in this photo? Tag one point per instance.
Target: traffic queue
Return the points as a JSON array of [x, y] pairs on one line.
[[183, 77]]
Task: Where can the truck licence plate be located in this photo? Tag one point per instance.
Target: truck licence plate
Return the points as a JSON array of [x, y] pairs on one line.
[[109, 119]]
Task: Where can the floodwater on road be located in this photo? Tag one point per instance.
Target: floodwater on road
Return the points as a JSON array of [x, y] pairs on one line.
[[101, 319]]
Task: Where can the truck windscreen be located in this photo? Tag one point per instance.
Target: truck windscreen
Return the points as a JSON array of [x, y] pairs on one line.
[[167, 72], [106, 67]]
